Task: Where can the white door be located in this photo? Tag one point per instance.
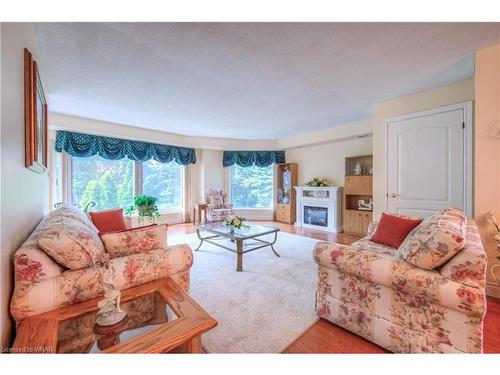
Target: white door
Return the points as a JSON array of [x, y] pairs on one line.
[[426, 162]]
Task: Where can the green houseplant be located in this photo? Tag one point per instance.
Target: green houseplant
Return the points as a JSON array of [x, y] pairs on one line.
[[145, 207]]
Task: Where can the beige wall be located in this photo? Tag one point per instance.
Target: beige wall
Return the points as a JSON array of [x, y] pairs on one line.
[[327, 160], [24, 193], [454, 93], [487, 150]]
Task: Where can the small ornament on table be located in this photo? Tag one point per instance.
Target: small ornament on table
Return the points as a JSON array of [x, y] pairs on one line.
[[110, 316]]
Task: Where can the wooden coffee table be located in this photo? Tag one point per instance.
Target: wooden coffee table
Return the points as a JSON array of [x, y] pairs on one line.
[[220, 231], [161, 318]]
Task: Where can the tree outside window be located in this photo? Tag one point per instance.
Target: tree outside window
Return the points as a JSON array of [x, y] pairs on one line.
[[110, 183], [252, 187]]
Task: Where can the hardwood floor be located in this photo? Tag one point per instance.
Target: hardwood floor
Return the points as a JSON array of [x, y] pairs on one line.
[[326, 337]]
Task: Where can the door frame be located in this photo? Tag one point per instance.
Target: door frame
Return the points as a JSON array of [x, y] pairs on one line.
[[467, 108]]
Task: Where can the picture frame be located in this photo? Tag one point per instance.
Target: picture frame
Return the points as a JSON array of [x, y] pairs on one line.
[[35, 117]]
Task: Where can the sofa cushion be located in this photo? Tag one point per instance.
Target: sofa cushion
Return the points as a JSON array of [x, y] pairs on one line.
[[469, 265], [216, 201], [135, 240], [74, 213], [70, 243], [109, 220], [436, 240], [392, 230]]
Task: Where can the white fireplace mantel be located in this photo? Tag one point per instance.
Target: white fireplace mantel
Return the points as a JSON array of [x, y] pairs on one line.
[[323, 197]]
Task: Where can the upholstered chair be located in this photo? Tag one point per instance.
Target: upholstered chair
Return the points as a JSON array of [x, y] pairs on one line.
[[219, 208]]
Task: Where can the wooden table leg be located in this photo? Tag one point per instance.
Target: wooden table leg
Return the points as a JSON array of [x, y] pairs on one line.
[[239, 251], [194, 345], [199, 215], [194, 215], [205, 214]]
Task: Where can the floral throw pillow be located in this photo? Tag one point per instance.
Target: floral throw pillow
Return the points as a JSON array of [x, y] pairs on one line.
[[135, 240], [70, 243], [216, 201], [436, 240]]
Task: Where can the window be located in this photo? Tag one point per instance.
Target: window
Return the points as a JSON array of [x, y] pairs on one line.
[[113, 183], [163, 181], [108, 183], [252, 187]]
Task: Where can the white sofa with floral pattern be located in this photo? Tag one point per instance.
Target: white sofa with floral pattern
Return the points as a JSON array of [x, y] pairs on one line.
[[43, 284], [367, 289]]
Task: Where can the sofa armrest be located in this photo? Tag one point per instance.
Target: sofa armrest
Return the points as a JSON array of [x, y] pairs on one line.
[[31, 298], [412, 283], [372, 227]]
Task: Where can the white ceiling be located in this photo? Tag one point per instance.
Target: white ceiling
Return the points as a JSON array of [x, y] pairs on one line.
[[248, 80]]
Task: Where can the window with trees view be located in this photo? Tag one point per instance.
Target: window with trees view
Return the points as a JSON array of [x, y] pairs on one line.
[[252, 187], [110, 183], [163, 181]]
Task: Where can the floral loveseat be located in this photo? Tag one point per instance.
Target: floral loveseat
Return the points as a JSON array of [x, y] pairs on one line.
[[42, 284], [366, 289]]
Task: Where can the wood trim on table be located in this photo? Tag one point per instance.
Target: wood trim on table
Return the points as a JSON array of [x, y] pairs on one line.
[[37, 336], [40, 333]]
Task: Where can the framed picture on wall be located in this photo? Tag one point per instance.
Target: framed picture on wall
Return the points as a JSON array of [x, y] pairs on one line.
[[35, 117]]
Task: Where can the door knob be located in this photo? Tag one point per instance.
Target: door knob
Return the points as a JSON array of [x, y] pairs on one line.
[[394, 195]]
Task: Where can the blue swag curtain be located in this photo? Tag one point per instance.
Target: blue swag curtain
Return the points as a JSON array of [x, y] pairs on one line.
[[248, 158], [86, 145]]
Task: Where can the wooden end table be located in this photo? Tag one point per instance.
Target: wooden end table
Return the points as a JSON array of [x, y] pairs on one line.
[[161, 318], [197, 209]]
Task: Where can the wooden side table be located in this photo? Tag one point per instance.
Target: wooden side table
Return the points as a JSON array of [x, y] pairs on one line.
[[172, 320], [197, 209]]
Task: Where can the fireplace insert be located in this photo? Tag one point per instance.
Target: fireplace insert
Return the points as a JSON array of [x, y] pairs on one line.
[[316, 216]]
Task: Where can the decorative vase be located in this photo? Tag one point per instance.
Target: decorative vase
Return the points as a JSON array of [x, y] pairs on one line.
[[231, 229]]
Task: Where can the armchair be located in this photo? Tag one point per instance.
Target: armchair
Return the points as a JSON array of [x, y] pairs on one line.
[[218, 207]]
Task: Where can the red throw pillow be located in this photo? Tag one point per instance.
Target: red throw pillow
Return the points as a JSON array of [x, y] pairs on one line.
[[392, 230], [109, 220]]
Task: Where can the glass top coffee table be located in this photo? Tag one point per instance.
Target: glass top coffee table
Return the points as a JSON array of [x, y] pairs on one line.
[[218, 230]]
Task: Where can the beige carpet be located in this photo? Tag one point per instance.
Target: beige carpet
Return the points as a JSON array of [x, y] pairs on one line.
[[265, 307]]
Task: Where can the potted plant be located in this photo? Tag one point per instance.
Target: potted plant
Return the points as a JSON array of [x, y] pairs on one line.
[[145, 207]]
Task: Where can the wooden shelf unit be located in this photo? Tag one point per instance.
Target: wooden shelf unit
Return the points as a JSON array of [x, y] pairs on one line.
[[357, 187], [286, 200]]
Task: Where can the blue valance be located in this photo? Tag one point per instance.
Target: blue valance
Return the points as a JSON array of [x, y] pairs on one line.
[[85, 145], [249, 158]]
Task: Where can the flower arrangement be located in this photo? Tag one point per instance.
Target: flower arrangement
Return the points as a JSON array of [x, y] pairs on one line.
[[236, 221], [317, 182], [145, 206]]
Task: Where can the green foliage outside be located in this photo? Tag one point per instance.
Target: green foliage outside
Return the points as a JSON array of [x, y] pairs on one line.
[[110, 183], [252, 187]]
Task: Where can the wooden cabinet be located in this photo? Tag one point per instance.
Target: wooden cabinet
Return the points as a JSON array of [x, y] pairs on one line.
[[358, 185], [358, 188], [287, 178]]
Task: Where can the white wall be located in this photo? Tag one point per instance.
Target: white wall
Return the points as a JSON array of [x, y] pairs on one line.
[[24, 195], [327, 160], [445, 95], [487, 153]]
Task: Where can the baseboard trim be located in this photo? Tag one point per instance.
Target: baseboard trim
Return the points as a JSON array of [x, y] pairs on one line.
[[492, 290]]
